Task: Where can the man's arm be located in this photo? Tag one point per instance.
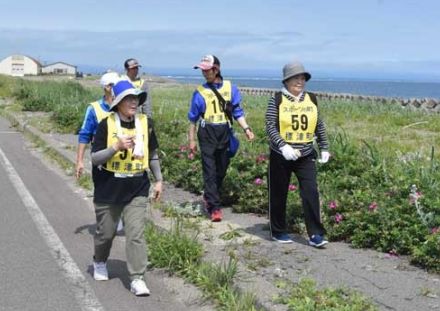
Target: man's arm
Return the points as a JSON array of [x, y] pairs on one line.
[[192, 137], [79, 170], [246, 128]]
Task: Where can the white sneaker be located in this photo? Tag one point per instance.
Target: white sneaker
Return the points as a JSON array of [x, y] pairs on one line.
[[120, 226], [100, 272], [139, 288]]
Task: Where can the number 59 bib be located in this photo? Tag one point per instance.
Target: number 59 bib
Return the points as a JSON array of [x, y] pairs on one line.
[[297, 121]]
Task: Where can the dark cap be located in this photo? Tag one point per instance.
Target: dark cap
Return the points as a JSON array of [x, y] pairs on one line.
[[131, 63]]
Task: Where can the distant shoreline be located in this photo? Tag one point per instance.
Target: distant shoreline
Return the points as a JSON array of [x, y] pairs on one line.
[[388, 89], [426, 103]]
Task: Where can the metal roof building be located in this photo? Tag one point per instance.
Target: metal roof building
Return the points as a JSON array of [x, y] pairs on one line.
[[20, 65], [59, 68]]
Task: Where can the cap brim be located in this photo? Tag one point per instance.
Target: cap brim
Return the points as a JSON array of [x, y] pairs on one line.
[[134, 66], [203, 66], [142, 95], [306, 74]]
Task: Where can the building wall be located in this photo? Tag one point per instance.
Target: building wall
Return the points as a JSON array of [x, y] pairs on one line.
[[59, 68], [19, 65]]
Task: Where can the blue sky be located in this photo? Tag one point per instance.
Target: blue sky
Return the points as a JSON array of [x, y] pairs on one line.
[[351, 38]]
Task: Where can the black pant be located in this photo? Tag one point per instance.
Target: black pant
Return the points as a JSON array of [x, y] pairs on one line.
[[215, 162], [280, 171]]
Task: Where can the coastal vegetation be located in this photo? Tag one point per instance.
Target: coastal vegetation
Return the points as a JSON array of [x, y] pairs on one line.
[[378, 191]]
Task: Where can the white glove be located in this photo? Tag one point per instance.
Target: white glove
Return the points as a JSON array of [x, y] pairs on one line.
[[325, 156], [289, 153]]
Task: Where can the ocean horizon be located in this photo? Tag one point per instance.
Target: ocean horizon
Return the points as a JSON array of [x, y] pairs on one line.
[[356, 86], [404, 86]]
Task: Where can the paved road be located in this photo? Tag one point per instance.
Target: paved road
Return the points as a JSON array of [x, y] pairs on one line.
[[46, 227]]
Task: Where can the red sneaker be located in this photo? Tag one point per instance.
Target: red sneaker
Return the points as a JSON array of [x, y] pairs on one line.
[[216, 215]]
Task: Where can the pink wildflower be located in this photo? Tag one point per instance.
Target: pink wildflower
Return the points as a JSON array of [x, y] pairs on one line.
[[392, 254], [338, 218], [261, 158], [183, 148], [435, 230], [373, 206], [191, 156], [332, 205], [258, 181], [292, 187]]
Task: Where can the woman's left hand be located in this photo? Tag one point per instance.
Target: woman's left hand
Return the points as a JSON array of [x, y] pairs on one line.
[[157, 191], [325, 156]]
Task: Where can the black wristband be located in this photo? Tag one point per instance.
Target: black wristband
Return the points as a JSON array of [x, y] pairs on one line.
[[247, 128]]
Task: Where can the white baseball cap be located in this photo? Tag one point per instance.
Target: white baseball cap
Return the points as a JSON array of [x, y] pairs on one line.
[[207, 62], [109, 78]]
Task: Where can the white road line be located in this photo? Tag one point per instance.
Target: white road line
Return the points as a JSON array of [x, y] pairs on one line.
[[84, 294]]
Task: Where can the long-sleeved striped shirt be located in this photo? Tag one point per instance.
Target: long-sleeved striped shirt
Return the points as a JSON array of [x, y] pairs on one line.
[[273, 130]]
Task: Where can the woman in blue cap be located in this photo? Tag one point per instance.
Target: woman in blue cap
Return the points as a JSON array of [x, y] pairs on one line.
[[125, 147]]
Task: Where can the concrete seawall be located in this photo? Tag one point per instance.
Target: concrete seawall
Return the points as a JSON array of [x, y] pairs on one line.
[[431, 105]]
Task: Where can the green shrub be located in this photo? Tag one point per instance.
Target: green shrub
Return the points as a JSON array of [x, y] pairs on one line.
[[66, 100], [427, 254], [173, 250], [7, 85]]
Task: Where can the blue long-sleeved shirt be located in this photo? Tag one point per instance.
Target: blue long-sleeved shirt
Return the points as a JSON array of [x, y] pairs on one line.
[[90, 123], [198, 105]]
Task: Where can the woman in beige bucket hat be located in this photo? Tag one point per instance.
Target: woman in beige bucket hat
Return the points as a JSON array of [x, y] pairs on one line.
[[292, 125]]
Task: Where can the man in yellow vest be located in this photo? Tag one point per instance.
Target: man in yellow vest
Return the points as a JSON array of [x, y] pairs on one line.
[[131, 66], [125, 147], [214, 104], [95, 112]]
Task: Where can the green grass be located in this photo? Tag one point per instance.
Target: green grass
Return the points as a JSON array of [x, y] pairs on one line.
[[304, 296], [7, 85], [66, 100], [180, 253], [390, 127]]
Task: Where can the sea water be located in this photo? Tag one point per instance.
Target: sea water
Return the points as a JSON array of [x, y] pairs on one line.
[[400, 89]]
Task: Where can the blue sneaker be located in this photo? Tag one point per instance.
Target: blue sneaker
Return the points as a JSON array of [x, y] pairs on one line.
[[281, 238], [317, 240]]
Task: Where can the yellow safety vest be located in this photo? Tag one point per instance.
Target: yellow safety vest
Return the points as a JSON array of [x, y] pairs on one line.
[[297, 120], [123, 161], [100, 113], [214, 111], [137, 83]]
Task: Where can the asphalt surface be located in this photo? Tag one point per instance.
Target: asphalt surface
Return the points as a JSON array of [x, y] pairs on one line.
[[390, 282], [46, 248]]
